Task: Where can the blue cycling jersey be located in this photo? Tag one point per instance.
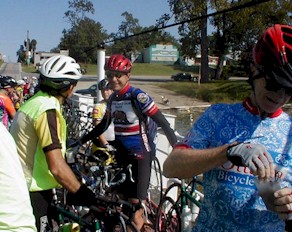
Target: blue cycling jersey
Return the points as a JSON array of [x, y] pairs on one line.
[[126, 121], [232, 202]]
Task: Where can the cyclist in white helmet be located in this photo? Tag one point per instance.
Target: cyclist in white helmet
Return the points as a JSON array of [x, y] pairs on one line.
[[39, 130]]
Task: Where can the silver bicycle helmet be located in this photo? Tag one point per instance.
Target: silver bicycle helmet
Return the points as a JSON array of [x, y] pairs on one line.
[[59, 72]]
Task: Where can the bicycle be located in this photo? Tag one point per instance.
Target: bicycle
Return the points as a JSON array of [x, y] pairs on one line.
[[78, 122], [109, 213], [106, 215], [180, 214]]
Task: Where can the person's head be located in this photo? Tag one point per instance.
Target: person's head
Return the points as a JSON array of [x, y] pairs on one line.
[[20, 82], [7, 83], [118, 69], [59, 75], [24, 78], [105, 89], [271, 73]]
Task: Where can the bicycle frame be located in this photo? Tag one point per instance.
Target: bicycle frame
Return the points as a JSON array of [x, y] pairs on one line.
[[69, 215], [183, 210]]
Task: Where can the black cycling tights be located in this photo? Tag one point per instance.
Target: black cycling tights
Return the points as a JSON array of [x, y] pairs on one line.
[[42, 210]]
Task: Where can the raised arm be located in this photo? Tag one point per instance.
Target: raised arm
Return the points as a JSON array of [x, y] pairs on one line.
[[97, 130], [186, 162]]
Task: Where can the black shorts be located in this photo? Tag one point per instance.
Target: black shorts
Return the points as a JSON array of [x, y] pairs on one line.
[[43, 211], [141, 170]]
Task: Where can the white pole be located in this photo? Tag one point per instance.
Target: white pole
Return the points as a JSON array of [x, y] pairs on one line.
[[100, 68]]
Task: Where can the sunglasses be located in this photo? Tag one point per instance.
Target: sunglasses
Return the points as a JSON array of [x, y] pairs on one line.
[[274, 86], [114, 74]]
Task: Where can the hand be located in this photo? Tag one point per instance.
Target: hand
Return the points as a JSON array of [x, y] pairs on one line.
[[283, 203], [254, 156], [110, 147], [84, 197]]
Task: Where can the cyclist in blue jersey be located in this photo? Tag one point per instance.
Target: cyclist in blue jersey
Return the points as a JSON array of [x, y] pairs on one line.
[[127, 108], [238, 145]]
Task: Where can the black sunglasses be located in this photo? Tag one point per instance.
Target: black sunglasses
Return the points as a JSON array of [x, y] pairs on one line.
[[274, 86], [112, 74]]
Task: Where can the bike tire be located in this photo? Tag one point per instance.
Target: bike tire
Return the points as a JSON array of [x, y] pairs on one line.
[[155, 185], [171, 187], [168, 217]]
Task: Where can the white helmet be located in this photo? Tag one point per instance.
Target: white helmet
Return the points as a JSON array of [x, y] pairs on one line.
[[20, 82], [60, 71]]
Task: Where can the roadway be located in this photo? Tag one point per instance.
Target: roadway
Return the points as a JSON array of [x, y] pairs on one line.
[[14, 70]]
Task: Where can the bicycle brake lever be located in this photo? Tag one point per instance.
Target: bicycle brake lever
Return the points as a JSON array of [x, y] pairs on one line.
[[129, 168]]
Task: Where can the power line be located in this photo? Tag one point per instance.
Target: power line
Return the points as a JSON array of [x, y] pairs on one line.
[[234, 8]]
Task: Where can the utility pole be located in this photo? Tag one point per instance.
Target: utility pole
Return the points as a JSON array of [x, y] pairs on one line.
[[27, 53]]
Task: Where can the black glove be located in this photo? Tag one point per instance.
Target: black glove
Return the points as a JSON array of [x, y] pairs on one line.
[[84, 197]]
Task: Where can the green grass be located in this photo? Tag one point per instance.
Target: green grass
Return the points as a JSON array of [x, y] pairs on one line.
[[138, 69], [148, 69], [213, 92], [28, 68]]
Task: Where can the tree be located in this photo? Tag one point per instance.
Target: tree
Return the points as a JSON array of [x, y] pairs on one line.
[[79, 9], [194, 33], [82, 40], [132, 38], [122, 42], [21, 54], [33, 44], [237, 31]]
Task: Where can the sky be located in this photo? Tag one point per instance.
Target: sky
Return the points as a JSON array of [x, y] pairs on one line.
[[43, 20]]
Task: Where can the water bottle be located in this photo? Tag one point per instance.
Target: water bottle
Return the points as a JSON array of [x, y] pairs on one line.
[[70, 227], [194, 208], [186, 219]]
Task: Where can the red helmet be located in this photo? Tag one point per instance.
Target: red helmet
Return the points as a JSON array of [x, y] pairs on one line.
[[118, 63], [273, 53]]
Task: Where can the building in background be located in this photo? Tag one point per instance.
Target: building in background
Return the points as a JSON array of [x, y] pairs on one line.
[[40, 57], [159, 53]]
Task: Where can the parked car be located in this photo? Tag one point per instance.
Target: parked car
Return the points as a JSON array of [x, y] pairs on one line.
[[91, 91], [183, 76]]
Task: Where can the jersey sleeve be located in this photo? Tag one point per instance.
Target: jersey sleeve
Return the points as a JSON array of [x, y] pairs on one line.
[[48, 130], [146, 103], [9, 106]]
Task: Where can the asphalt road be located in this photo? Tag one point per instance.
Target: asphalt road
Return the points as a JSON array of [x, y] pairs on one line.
[[146, 83]]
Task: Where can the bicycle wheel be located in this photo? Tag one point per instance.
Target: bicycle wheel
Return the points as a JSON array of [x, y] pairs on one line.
[[168, 218], [155, 185], [173, 190]]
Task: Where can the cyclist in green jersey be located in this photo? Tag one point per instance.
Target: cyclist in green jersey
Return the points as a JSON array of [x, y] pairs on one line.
[[39, 130]]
